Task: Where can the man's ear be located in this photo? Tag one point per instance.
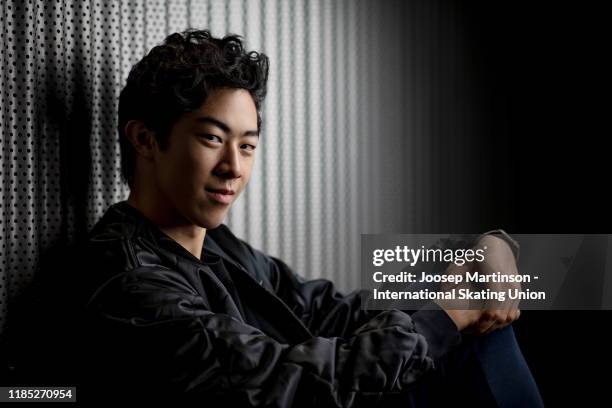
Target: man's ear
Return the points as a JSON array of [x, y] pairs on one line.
[[142, 139]]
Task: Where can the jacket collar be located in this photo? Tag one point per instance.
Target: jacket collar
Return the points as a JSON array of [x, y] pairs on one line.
[[147, 229]]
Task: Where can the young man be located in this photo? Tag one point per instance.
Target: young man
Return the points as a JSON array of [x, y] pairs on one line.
[[176, 306]]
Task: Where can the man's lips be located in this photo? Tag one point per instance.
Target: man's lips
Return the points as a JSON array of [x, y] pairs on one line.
[[220, 190], [220, 195]]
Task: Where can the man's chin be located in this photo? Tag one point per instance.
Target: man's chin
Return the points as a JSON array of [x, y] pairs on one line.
[[206, 217], [213, 225], [210, 222]]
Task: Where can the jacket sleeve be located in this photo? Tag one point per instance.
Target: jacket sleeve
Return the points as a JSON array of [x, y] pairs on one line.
[[323, 309], [163, 329], [329, 313]]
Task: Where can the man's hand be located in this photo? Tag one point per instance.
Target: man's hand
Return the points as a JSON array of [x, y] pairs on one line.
[[485, 316]]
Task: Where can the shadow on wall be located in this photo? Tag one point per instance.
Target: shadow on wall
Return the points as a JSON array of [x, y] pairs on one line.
[[63, 135], [70, 116], [74, 130]]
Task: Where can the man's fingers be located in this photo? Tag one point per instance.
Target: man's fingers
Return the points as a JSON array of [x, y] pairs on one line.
[[485, 326], [502, 319], [487, 321], [509, 319], [514, 314], [496, 319]]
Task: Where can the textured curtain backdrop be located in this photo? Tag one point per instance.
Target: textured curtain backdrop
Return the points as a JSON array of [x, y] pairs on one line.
[[367, 127]]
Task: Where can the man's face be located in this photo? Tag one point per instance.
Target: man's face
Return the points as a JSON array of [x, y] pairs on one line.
[[208, 160]]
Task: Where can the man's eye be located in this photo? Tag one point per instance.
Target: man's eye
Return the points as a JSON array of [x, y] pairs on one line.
[[212, 138], [248, 147]]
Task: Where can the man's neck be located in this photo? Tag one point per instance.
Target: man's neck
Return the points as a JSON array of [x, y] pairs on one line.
[[189, 236]]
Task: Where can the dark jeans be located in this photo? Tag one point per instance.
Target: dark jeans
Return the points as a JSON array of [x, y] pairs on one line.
[[484, 371]]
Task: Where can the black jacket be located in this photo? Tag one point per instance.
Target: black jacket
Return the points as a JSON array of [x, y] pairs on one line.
[[237, 327]]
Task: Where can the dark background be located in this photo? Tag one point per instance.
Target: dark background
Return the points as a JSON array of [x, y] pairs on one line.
[[541, 74]]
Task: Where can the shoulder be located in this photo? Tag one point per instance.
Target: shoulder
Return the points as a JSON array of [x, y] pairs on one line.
[[120, 243]]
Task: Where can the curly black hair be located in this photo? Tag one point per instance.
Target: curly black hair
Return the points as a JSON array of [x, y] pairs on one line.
[[177, 76]]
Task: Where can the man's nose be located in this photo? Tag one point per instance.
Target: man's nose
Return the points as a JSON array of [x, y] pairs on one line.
[[230, 166]]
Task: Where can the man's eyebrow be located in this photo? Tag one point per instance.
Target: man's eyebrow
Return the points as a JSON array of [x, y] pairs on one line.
[[224, 127]]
